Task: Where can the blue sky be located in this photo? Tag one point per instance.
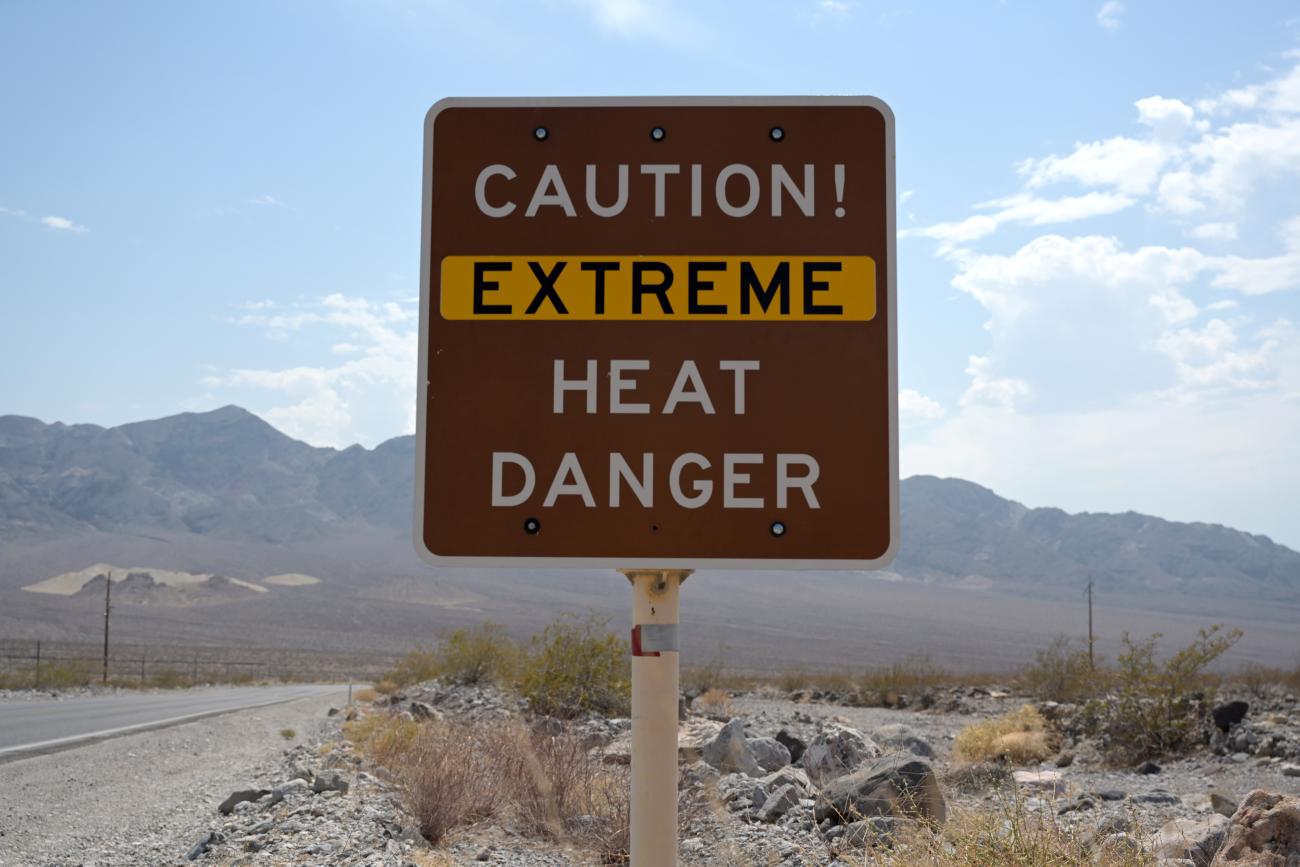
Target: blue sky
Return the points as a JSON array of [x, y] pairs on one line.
[[204, 204]]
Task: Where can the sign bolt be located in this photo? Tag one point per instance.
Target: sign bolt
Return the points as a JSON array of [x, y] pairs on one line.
[[531, 526], [778, 528]]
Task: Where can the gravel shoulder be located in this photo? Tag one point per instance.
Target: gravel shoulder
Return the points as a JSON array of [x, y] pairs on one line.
[[142, 799]]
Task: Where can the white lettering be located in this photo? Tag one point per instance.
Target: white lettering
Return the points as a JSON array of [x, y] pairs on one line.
[[618, 385], [563, 385], [720, 190], [551, 191], [784, 481], [499, 497], [781, 181], [620, 470], [739, 368], [689, 374], [561, 486], [480, 190], [703, 487], [619, 204], [731, 478], [660, 170]]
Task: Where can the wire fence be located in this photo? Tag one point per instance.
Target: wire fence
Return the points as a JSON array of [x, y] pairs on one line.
[[41, 664]]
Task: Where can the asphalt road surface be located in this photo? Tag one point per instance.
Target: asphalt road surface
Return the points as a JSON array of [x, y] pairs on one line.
[[34, 727]]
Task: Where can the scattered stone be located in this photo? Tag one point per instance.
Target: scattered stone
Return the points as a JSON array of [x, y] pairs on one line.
[[1196, 840], [1049, 782], [212, 838], [420, 710], [1156, 796], [837, 750], [1063, 759], [791, 743], [335, 783], [729, 752], [1222, 804], [332, 712], [770, 753], [1229, 714], [1290, 770], [1111, 794], [1082, 802], [1264, 832], [227, 806], [980, 777], [896, 786], [1148, 767], [780, 802], [869, 833]]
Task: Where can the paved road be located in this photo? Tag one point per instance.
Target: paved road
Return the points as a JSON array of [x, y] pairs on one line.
[[30, 727]]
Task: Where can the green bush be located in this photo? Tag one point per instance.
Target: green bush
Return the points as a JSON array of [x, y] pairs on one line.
[[484, 654], [1062, 671], [1156, 708], [577, 666]]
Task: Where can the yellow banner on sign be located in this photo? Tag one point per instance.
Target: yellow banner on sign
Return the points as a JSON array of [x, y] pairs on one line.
[[703, 288]]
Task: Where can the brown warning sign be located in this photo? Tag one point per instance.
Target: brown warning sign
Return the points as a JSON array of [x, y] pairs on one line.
[[658, 333]]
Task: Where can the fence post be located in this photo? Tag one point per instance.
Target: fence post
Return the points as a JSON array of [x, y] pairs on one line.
[[194, 671], [36, 683], [142, 657]]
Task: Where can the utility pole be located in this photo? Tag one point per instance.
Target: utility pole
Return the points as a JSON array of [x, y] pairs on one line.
[[1092, 662], [108, 595]]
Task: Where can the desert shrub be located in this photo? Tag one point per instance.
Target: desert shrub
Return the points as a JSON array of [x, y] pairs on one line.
[[169, 678], [1258, 679], [416, 667], [1009, 835], [365, 694], [1156, 707], [452, 774], [1019, 737], [715, 702], [65, 675], [484, 654], [1063, 671], [577, 666], [882, 686], [288, 734], [382, 738]]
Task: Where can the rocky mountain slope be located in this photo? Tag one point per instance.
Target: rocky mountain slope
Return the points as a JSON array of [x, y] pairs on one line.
[[228, 476]]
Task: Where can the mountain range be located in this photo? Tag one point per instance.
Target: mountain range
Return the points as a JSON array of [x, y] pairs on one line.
[[223, 492]]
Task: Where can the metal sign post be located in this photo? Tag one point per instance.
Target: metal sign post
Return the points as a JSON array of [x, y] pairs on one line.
[[655, 656]]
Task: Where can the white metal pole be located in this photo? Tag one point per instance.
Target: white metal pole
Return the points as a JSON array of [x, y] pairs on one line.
[[654, 715]]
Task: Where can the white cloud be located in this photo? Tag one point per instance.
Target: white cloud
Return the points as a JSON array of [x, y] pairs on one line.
[[367, 393], [267, 201], [916, 408], [1109, 14], [1215, 232], [835, 7], [1126, 164], [1024, 209], [11, 212], [987, 390], [62, 224], [1262, 276], [628, 18]]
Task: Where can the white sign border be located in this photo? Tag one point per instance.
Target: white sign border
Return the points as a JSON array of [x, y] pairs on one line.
[[421, 430]]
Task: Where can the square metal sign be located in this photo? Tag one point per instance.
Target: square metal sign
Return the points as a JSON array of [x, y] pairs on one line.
[[658, 333]]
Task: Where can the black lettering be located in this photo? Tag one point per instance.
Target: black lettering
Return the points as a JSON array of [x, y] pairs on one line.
[[601, 268], [481, 286], [660, 290], [546, 289], [811, 285], [749, 282], [696, 286]]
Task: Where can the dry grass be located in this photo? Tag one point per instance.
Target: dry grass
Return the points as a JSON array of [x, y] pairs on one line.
[[1019, 737], [288, 734], [1006, 836], [549, 785], [365, 694], [714, 703]]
